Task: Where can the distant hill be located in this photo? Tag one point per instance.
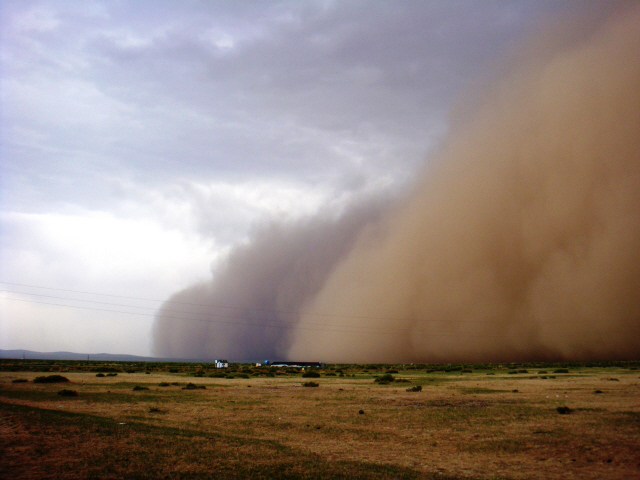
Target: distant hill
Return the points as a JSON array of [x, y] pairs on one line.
[[109, 357]]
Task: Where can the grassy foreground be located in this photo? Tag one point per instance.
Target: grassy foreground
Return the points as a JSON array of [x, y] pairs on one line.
[[502, 421]]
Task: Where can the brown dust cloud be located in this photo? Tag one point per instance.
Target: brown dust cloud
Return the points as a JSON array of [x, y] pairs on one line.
[[520, 240]]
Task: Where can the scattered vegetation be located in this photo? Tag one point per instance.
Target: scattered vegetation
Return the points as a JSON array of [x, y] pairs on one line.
[[311, 374], [564, 410], [417, 388], [138, 388], [20, 380], [310, 384]]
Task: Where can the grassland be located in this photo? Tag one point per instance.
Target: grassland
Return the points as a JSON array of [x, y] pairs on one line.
[[470, 421]]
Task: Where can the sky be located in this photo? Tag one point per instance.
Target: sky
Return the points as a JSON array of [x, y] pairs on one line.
[[141, 142]]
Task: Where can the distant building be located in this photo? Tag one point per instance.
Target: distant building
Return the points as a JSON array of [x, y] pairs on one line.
[[294, 364], [221, 363]]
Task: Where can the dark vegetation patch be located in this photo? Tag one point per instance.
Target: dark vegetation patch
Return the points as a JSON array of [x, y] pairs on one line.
[[310, 384], [311, 374], [192, 386], [51, 379], [385, 379], [564, 410], [19, 380], [138, 388], [68, 393]]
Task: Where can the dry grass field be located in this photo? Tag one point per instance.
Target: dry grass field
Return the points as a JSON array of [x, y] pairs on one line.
[[485, 423]]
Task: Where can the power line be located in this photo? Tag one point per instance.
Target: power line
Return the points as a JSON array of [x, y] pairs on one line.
[[261, 310], [302, 326], [180, 312]]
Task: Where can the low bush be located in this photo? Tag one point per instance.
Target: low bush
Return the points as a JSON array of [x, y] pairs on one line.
[[311, 374], [542, 372], [523, 371], [242, 375], [392, 371], [563, 410], [561, 370], [385, 379], [51, 379], [417, 388], [137, 388], [163, 384], [99, 374], [191, 386], [310, 384], [330, 374], [19, 380], [112, 374], [68, 393]]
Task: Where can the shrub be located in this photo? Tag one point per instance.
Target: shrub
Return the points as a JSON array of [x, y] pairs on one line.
[[542, 372], [173, 370], [512, 372], [112, 374], [330, 374], [311, 374], [392, 371], [310, 384], [564, 410], [561, 370], [523, 371], [137, 388], [163, 384], [598, 391], [242, 375], [385, 379], [51, 379], [417, 388], [191, 386], [99, 374], [154, 410], [19, 380], [68, 393], [466, 370]]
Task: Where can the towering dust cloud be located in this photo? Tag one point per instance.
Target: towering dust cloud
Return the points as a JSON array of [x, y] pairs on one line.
[[520, 242]]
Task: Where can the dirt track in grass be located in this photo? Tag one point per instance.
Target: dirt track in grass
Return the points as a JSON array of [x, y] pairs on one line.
[[470, 425]]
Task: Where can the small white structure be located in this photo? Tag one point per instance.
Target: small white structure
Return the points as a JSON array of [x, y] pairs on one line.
[[221, 363], [258, 364]]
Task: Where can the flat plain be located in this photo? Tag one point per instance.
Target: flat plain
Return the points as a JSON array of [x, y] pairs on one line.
[[517, 421]]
